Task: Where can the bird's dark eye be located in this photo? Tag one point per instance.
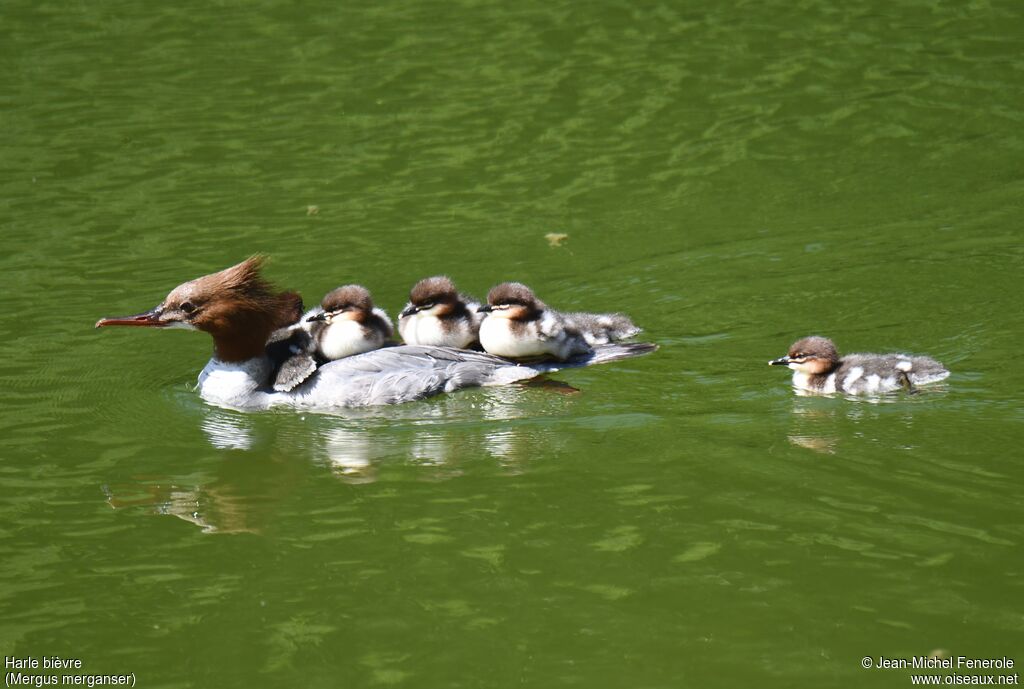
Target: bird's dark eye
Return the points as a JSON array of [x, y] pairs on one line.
[[187, 307]]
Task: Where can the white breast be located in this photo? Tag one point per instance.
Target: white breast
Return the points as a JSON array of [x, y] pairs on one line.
[[802, 381], [235, 385], [496, 337], [425, 329], [344, 338], [420, 328]]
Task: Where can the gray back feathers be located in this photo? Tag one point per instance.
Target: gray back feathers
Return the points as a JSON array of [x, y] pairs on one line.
[[410, 372]]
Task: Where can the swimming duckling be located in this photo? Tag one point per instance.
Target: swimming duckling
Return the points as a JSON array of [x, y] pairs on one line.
[[817, 367]]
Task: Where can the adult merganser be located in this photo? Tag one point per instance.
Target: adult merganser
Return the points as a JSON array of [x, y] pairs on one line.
[[817, 367], [240, 310], [521, 326], [347, 323], [438, 314]]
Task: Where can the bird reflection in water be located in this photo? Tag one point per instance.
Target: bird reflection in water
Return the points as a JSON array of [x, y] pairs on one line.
[[259, 458], [818, 423], [237, 495], [446, 438]]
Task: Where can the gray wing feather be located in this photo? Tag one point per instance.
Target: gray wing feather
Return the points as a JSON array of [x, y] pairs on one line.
[[294, 371]]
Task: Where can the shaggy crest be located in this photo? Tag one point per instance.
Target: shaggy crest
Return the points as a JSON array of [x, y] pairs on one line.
[[237, 306]]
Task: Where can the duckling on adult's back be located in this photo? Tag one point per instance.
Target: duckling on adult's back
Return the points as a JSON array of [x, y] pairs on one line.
[[347, 323], [601, 328], [520, 326], [439, 315]]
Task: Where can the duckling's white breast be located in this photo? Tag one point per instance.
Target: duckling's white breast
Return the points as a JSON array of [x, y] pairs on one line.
[[497, 337], [802, 381], [423, 329], [344, 338]]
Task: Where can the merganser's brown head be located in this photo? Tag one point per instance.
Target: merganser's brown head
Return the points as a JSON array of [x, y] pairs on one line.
[[812, 355], [349, 302], [513, 300], [237, 306], [435, 296]]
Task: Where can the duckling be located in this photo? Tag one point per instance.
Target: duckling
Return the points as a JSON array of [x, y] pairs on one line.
[[347, 323], [438, 314], [520, 326], [817, 367], [602, 328]]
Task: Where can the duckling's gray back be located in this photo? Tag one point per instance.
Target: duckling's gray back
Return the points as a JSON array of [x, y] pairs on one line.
[[602, 328], [871, 373]]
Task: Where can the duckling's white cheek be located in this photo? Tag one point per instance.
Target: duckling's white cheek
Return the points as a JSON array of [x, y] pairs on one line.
[[180, 325]]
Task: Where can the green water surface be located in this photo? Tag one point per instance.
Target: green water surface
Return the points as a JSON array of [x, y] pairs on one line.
[[733, 175]]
